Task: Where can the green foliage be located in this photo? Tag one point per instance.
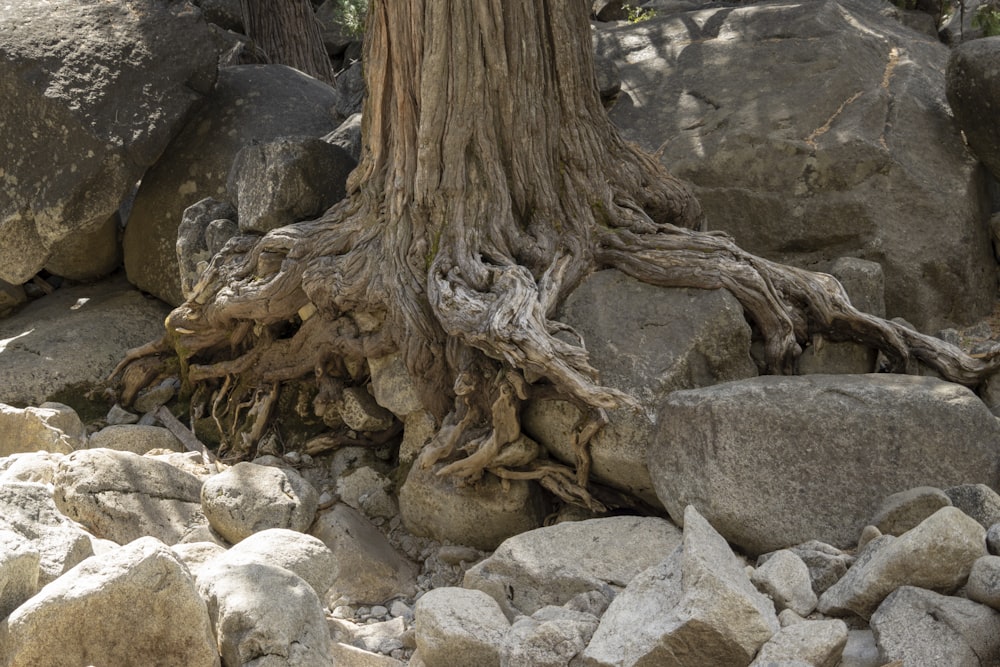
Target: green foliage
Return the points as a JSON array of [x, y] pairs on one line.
[[987, 18], [352, 15], [638, 14]]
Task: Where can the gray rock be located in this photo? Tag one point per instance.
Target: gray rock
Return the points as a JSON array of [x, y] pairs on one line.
[[286, 180], [88, 254], [974, 94], [696, 608], [71, 340], [827, 564], [811, 457], [905, 510], [553, 565], [197, 555], [551, 637], [11, 296], [114, 610], [368, 491], [264, 615], [455, 626], [134, 438], [248, 498], [249, 103], [361, 412], [646, 341], [345, 655], [192, 247], [829, 180], [121, 496], [28, 510], [368, 569], [94, 93], [784, 577], [993, 539], [984, 581], [937, 555], [392, 386], [305, 555], [816, 643], [481, 515], [920, 627], [348, 136], [978, 501], [861, 650], [39, 429], [19, 568]]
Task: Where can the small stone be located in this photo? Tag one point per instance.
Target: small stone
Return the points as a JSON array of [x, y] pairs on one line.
[[343, 611], [868, 533], [993, 539], [457, 554], [400, 608], [292, 457], [361, 412], [978, 501], [378, 611], [119, 415]]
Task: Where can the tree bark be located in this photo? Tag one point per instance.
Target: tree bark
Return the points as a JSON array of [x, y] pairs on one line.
[[491, 182], [288, 34]]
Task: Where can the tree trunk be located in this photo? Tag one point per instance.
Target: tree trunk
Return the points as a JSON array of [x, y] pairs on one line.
[[491, 182], [288, 34]]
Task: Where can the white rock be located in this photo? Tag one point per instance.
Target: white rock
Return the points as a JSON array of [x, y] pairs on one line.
[[816, 643], [248, 498], [551, 565], [368, 569], [122, 496], [696, 608], [551, 637], [297, 552], [37, 467], [456, 626], [785, 578], [39, 429], [264, 614], [135, 606], [345, 655], [18, 571], [135, 438], [938, 554], [28, 510], [920, 627]]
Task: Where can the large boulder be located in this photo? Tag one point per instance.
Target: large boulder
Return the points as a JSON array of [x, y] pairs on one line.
[[39, 430], [646, 341], [869, 164], [136, 605], [121, 496], [66, 343], [552, 565], [93, 92], [776, 461], [250, 103], [696, 608]]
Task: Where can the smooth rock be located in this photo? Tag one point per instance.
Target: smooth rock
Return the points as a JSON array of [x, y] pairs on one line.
[[978, 501], [368, 569], [938, 555], [920, 627], [248, 498], [134, 438], [774, 461], [905, 510], [974, 95], [984, 581], [784, 577], [646, 341], [552, 565], [696, 608], [480, 515], [39, 429], [264, 615], [815, 643], [455, 626], [28, 510], [136, 605]]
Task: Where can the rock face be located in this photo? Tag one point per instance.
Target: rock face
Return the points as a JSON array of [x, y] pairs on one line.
[[696, 608], [551, 565], [62, 345], [108, 86], [869, 165], [973, 78], [646, 341], [249, 103], [937, 555], [110, 611], [776, 461]]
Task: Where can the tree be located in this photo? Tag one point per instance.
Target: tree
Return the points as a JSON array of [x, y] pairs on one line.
[[491, 182], [288, 34]]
